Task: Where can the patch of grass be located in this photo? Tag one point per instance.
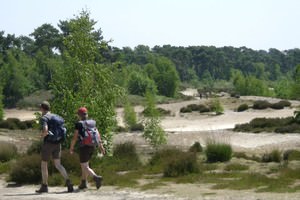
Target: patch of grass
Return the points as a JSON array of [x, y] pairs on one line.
[[236, 167], [35, 147], [290, 155], [4, 167], [8, 151], [56, 179], [273, 156], [218, 152]]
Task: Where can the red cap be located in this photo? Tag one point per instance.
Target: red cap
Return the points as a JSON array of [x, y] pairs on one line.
[[82, 110]]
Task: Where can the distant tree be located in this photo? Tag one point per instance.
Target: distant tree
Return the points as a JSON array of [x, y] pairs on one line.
[[129, 115], [138, 84], [295, 93]]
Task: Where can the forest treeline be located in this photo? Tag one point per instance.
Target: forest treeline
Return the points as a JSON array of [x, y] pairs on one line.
[[27, 64]]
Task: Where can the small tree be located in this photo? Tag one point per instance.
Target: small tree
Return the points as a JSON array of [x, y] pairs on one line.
[[129, 115], [153, 132], [83, 81], [216, 106], [1, 105]]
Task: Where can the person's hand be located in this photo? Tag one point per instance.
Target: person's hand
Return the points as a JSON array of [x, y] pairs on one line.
[[102, 149], [71, 150]]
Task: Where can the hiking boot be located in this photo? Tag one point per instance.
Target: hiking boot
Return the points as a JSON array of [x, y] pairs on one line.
[[43, 189], [69, 186], [98, 180], [82, 185]]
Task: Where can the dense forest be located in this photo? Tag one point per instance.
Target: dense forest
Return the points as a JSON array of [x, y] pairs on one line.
[[28, 63]]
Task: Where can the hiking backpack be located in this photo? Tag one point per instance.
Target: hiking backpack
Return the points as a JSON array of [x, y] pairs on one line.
[[89, 135], [56, 129]]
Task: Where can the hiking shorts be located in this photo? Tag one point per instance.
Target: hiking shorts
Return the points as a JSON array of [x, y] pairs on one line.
[[85, 153], [49, 149]]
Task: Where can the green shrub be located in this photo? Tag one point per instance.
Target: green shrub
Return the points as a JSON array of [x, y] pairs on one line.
[[14, 123], [185, 110], [137, 127], [161, 158], [277, 106], [290, 128], [71, 162], [203, 108], [242, 107], [35, 147], [216, 106], [120, 129], [129, 115], [27, 170], [56, 179], [196, 147], [8, 151], [163, 112], [218, 152], [183, 164], [236, 167], [260, 105], [285, 103], [127, 155], [274, 156]]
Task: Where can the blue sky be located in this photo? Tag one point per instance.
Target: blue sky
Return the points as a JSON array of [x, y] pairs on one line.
[[257, 24]]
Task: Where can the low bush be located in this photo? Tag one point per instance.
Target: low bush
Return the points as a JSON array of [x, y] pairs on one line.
[[27, 170], [185, 110], [260, 105], [242, 107], [14, 123], [193, 107], [183, 164], [35, 147], [8, 151], [290, 128], [196, 147], [137, 127], [218, 152], [163, 112], [274, 156], [285, 103], [277, 106], [120, 129], [203, 108], [127, 155], [71, 162]]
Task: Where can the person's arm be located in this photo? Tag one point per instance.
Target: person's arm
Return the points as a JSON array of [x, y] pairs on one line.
[[102, 149], [74, 140], [44, 124]]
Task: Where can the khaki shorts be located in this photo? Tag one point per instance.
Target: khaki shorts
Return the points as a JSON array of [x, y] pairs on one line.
[[49, 149], [85, 153]]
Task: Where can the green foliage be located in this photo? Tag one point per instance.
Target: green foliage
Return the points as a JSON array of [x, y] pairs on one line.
[[1, 105], [242, 107], [129, 115], [261, 104], [218, 152], [185, 163], [14, 123], [290, 155], [194, 107], [35, 147], [126, 151], [84, 82], [216, 106], [71, 162], [196, 147], [8, 151], [27, 169], [273, 156], [138, 84], [153, 132]]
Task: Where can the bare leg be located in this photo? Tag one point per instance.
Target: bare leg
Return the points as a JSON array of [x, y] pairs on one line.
[[61, 169], [86, 170], [44, 168]]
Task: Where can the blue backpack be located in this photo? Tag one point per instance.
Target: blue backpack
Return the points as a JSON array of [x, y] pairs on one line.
[[56, 130]]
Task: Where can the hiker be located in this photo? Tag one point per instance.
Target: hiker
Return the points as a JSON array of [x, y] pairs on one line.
[[89, 138], [51, 146]]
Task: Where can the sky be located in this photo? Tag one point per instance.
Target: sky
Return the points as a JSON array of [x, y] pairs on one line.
[[256, 24]]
